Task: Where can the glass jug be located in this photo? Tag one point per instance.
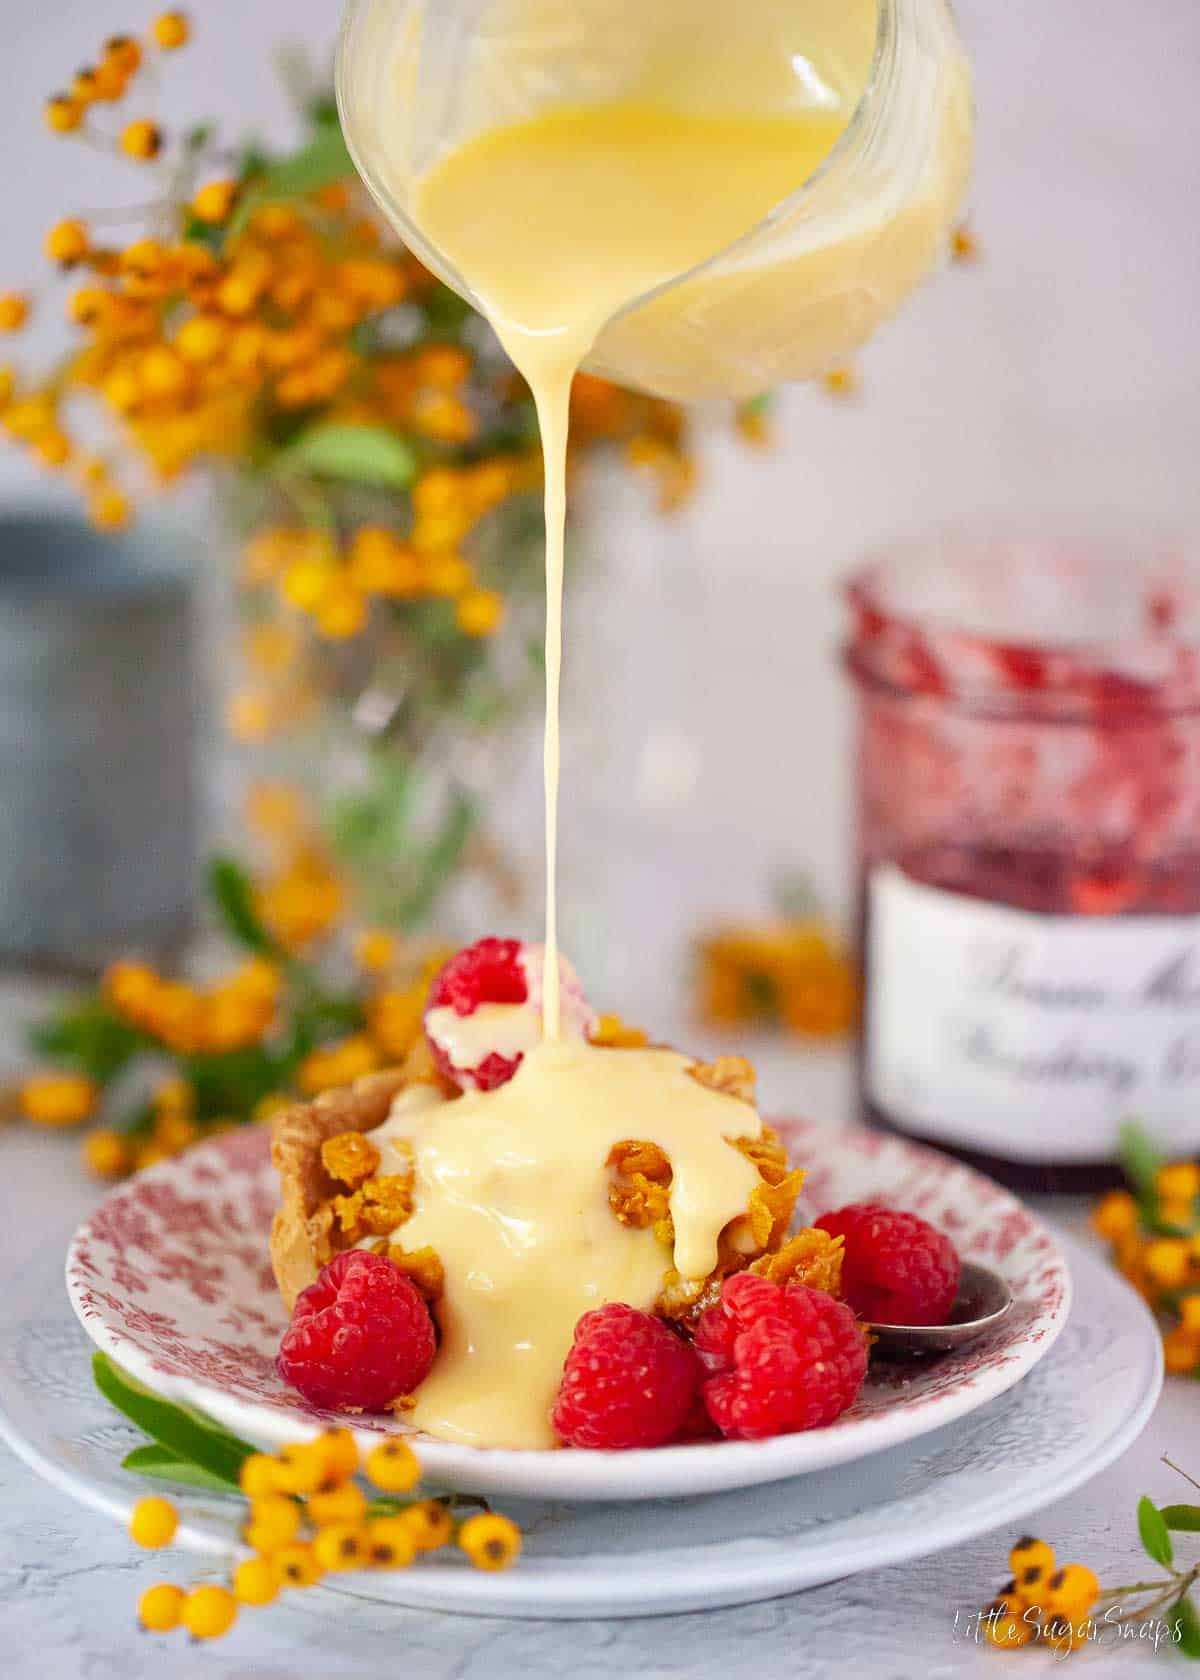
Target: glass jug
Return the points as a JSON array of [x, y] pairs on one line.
[[808, 284]]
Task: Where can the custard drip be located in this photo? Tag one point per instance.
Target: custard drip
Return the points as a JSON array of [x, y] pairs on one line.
[[511, 1190]]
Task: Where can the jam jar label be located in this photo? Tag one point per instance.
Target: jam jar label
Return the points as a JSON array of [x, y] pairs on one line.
[[1030, 1036]]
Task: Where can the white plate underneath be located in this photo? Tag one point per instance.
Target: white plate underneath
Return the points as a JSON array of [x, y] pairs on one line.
[[170, 1277], [1077, 1412]]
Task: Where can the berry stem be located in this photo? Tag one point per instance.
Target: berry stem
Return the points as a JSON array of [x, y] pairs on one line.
[[1171, 1465]]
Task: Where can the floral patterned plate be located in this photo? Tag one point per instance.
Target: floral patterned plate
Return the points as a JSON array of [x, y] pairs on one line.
[[170, 1276], [1070, 1419]]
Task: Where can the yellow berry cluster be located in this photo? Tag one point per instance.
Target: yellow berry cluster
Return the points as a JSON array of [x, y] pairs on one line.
[[113, 305], [394, 1017], [309, 1517], [1044, 1602], [231, 1015], [333, 583], [1157, 1248], [788, 974]]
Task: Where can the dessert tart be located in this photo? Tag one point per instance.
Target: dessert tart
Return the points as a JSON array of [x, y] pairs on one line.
[[518, 1241]]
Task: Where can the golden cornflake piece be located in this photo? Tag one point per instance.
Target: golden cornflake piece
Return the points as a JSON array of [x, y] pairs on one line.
[[732, 1075], [612, 1033], [768, 1154], [350, 1158], [640, 1195], [632, 1156], [376, 1208], [771, 1209], [423, 1266], [640, 1201], [812, 1257]]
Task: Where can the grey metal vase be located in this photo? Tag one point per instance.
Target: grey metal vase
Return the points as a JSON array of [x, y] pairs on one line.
[[98, 706]]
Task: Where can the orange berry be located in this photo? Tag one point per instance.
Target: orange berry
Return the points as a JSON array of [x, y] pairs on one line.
[[479, 612], [391, 1543], [298, 1565], [62, 113], [255, 1581], [124, 52], [202, 339], [1181, 1350], [490, 1540], [67, 242], [8, 385], [214, 202], [1071, 1591], [208, 1612], [339, 1453], [447, 575], [171, 30], [346, 1503], [109, 510], [108, 81], [1115, 1215], [1032, 1562], [153, 1523], [53, 450], [164, 373], [58, 1099], [342, 612], [83, 85], [106, 1153], [122, 389], [160, 1606], [14, 311], [142, 140], [375, 949], [259, 1475], [91, 306], [393, 1466]]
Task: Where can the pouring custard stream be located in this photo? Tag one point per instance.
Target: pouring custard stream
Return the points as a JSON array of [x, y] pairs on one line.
[[561, 221]]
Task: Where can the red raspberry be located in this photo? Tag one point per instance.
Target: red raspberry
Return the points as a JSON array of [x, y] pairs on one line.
[[503, 971], [487, 972], [779, 1357], [898, 1269], [628, 1381], [359, 1337]]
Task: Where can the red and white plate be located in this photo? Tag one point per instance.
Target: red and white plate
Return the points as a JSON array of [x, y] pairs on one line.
[[171, 1277]]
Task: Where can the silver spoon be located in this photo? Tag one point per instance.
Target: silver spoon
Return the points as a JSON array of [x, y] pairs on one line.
[[983, 1301]]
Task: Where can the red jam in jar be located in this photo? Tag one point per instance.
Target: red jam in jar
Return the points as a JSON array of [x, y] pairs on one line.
[[1028, 768]]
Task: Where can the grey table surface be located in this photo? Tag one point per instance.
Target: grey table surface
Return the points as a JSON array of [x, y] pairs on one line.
[[69, 1578]]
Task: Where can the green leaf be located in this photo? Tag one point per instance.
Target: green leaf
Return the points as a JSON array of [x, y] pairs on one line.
[[1153, 1530], [1140, 1159], [354, 454], [1188, 1625], [160, 1462], [89, 1034], [233, 896], [179, 1430], [1184, 1519]]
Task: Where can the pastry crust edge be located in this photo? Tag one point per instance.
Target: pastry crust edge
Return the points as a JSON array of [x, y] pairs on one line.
[[299, 1237]]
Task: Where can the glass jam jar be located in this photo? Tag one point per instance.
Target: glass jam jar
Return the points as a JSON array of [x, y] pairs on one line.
[[1028, 807]]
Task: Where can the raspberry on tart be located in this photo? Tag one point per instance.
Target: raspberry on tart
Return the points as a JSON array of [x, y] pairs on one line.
[[778, 1358], [484, 1011], [360, 1337], [898, 1269], [628, 1381]]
